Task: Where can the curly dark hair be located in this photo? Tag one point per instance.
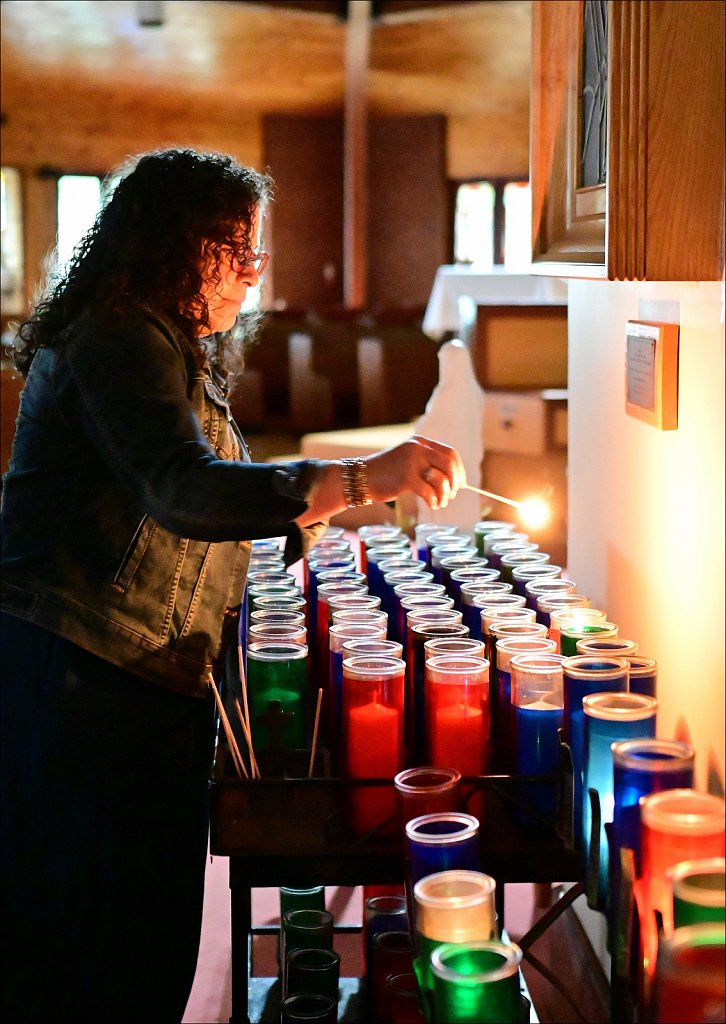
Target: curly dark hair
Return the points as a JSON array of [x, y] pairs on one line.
[[144, 249]]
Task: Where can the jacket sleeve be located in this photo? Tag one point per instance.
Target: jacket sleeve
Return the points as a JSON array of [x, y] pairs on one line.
[[126, 387]]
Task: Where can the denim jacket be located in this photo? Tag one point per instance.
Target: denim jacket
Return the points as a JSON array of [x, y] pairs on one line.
[[130, 501]]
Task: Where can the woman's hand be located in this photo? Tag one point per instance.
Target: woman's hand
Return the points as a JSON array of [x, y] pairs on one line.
[[430, 469]]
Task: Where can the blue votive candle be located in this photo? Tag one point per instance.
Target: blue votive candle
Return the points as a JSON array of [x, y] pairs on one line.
[[507, 648], [474, 572], [468, 592], [537, 702], [609, 718], [583, 675], [643, 675]]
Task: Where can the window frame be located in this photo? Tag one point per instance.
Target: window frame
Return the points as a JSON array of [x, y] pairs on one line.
[[498, 183]]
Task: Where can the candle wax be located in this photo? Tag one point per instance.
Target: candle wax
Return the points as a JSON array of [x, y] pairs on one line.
[[459, 738], [538, 753], [372, 751]]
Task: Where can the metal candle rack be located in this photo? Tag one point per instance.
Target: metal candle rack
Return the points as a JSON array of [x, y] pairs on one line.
[[292, 830]]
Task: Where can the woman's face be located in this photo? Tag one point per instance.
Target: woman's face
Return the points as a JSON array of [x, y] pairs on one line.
[[225, 296]]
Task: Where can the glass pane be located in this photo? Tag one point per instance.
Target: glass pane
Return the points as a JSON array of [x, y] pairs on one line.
[[517, 226], [79, 200], [12, 243], [474, 224]]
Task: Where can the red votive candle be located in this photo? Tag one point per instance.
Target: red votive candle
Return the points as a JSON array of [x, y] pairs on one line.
[[457, 703], [373, 690]]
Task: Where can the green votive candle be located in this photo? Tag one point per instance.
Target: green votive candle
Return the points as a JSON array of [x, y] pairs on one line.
[[477, 982], [277, 674], [699, 894]]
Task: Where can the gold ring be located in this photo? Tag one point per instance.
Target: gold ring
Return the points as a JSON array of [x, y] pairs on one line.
[[426, 475]]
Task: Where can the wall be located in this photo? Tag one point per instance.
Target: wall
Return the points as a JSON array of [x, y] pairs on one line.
[[646, 507]]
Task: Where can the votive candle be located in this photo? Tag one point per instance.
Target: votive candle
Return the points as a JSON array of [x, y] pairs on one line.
[[373, 708], [609, 718], [583, 675]]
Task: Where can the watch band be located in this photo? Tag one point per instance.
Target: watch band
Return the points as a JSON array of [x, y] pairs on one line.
[[355, 483]]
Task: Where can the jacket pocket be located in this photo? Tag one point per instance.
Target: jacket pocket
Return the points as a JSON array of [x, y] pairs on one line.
[[134, 554]]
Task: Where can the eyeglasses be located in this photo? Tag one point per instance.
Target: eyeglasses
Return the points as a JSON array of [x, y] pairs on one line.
[[258, 260]]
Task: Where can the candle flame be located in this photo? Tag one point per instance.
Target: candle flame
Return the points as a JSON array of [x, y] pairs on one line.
[[534, 512]]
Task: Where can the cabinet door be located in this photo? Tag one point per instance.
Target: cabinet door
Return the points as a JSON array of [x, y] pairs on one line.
[[658, 215], [568, 217]]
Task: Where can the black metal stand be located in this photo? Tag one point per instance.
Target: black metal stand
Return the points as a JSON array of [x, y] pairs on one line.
[[294, 832]]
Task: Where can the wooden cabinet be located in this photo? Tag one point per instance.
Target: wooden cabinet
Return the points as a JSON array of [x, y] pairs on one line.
[[658, 212]]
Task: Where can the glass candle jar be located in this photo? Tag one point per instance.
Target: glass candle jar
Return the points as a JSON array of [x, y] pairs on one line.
[[699, 891], [453, 563], [389, 569], [392, 954], [312, 1009], [423, 530], [426, 790], [442, 841], [503, 720], [499, 536], [690, 982], [506, 546], [531, 571], [641, 767], [548, 603], [477, 983], [469, 592], [581, 676], [508, 624], [312, 898], [578, 616], [595, 645], [338, 635], [487, 526], [609, 718], [537, 701], [569, 635], [338, 588], [258, 590], [474, 572], [277, 675], [277, 615], [288, 632], [381, 914], [643, 675], [510, 560], [383, 553], [415, 592], [359, 617], [493, 607], [453, 547], [453, 907], [313, 972], [457, 713], [304, 929], [351, 602], [677, 825], [373, 703], [368, 535], [314, 567], [402, 999], [440, 645], [419, 632]]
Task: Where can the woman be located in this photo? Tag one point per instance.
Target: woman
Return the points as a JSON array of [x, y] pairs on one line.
[[127, 515]]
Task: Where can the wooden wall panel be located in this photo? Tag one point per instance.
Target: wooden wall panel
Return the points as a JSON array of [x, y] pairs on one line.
[[408, 209], [305, 157], [492, 145]]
